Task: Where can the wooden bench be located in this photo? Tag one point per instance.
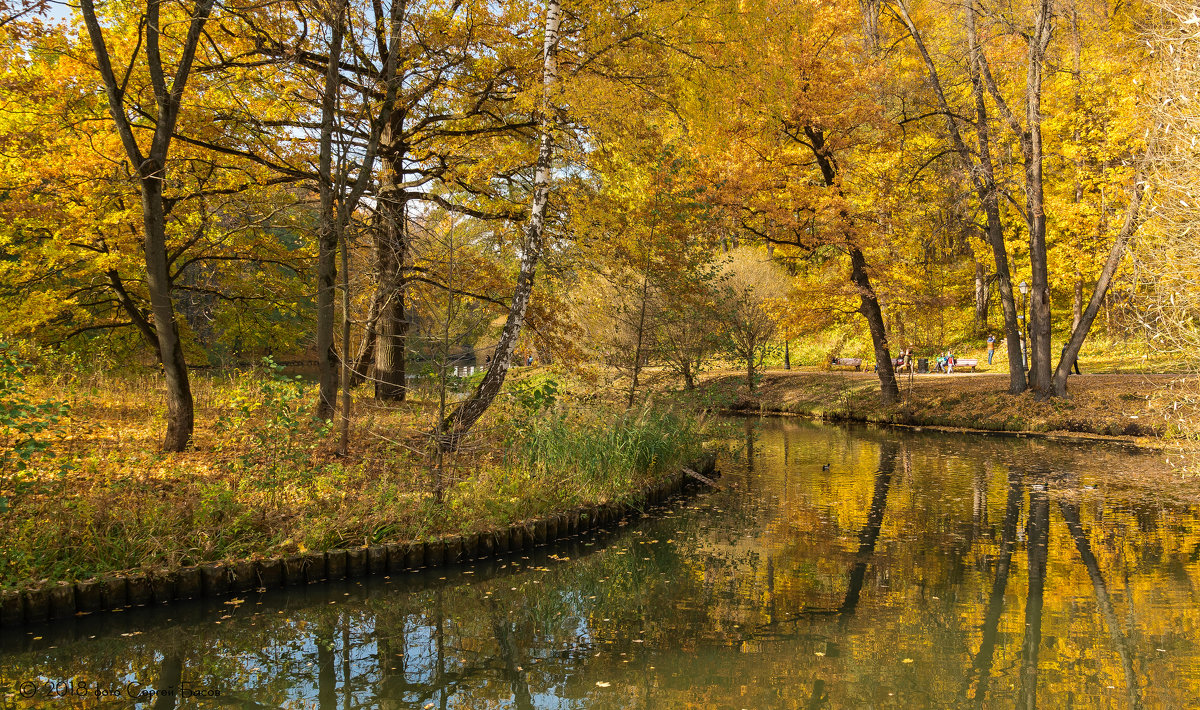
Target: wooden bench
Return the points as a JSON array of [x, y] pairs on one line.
[[971, 362], [855, 362]]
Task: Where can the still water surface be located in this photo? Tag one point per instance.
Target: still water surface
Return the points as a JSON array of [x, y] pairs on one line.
[[837, 567]]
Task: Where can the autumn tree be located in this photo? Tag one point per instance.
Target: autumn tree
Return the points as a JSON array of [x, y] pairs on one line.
[[792, 129], [464, 416], [148, 158], [749, 286]]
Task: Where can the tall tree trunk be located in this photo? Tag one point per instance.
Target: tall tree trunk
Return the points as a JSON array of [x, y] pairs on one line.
[[641, 334], [152, 173], [889, 389], [329, 225], [344, 428], [1133, 218], [391, 251], [787, 355], [983, 177], [461, 420], [391, 330], [989, 196], [180, 415], [1035, 207], [327, 359]]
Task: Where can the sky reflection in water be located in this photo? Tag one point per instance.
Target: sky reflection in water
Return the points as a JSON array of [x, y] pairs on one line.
[[916, 570]]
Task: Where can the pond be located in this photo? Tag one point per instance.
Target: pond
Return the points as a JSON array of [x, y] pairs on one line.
[[840, 567]]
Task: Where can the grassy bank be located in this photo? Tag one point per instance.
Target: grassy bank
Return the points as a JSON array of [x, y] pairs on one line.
[[1104, 404], [265, 480]]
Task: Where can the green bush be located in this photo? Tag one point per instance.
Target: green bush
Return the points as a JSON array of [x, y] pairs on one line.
[[22, 420], [270, 416]]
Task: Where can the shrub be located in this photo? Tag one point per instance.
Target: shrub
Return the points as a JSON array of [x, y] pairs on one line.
[[22, 420]]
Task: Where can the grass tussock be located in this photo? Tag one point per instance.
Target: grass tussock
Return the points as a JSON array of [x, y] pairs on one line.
[[264, 478]]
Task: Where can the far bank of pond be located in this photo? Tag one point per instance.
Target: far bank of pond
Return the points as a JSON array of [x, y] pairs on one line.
[[838, 567], [1121, 405]]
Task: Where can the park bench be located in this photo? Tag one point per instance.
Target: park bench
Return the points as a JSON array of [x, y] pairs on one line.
[[970, 362], [855, 362]]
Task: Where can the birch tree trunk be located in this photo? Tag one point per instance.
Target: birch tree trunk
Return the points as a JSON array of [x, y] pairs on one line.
[[460, 421]]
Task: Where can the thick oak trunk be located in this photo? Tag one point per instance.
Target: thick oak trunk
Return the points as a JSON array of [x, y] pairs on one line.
[[391, 252], [391, 330]]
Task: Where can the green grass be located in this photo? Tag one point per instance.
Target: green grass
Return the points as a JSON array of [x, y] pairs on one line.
[[264, 479]]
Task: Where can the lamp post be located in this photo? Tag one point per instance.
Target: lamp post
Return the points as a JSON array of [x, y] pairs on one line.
[[1024, 289]]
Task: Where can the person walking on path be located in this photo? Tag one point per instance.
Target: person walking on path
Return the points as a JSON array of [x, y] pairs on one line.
[[1074, 363], [991, 345]]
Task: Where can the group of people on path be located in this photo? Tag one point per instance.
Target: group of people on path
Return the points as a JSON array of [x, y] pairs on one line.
[[945, 362]]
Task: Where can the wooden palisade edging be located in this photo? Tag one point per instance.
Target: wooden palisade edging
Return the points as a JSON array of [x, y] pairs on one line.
[[63, 600]]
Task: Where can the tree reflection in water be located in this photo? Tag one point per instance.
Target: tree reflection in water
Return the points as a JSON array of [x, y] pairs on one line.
[[1037, 540], [893, 577], [982, 664]]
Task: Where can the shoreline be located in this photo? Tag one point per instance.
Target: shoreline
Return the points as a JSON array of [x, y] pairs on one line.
[[56, 602], [1141, 442], [1111, 408]]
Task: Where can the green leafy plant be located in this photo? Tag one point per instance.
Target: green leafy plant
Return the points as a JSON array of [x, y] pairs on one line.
[[22, 420], [269, 417], [534, 396]]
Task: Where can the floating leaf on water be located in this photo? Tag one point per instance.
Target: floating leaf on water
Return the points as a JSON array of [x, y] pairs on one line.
[[602, 684]]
